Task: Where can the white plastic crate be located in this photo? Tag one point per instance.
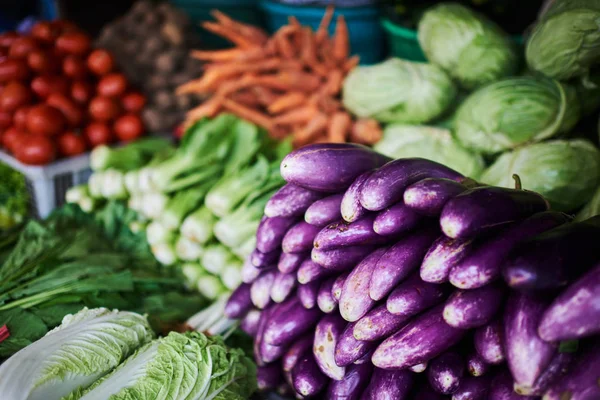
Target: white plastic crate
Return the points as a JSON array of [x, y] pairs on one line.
[[48, 184]]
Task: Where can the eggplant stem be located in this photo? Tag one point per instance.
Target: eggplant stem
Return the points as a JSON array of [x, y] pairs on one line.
[[517, 179]]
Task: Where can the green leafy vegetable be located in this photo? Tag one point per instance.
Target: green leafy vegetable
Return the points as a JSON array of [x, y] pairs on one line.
[[591, 209], [14, 199]]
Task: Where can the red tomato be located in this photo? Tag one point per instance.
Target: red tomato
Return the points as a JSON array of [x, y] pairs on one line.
[[112, 85], [100, 62], [13, 96], [104, 108], [71, 144], [20, 118], [7, 39], [72, 112], [133, 102], [128, 127], [35, 150], [22, 46], [11, 138], [73, 43], [74, 67], [43, 62], [45, 31], [43, 119], [11, 70], [44, 85], [98, 133], [6, 119], [81, 92]]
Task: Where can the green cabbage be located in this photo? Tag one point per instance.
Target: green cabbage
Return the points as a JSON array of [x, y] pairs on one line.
[[592, 208], [515, 111], [398, 91], [471, 48], [85, 347], [432, 143], [566, 41], [566, 172]]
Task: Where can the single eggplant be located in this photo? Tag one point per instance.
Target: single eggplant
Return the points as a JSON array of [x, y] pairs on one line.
[[338, 285], [290, 262], [378, 324], [345, 234], [307, 377], [270, 353], [239, 302], [355, 381], [400, 260], [502, 388], [263, 260], [445, 372], [299, 238], [442, 256], [325, 299], [560, 365], [250, 272], [348, 349], [467, 309], [324, 211], [283, 287], [271, 231], [419, 368], [476, 365], [288, 326], [473, 388], [329, 167], [307, 294], [249, 323], [414, 295], [328, 331], [389, 385], [428, 196], [386, 185], [296, 351], [351, 208], [291, 201], [310, 271], [260, 330], [486, 208], [260, 290], [268, 377], [581, 383], [340, 259], [423, 338], [489, 342], [395, 220]]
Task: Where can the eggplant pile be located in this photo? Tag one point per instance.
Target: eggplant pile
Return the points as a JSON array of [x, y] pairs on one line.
[[402, 279]]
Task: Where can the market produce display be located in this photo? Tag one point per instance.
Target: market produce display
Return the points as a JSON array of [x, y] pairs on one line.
[[60, 97], [288, 83], [410, 279], [151, 44]]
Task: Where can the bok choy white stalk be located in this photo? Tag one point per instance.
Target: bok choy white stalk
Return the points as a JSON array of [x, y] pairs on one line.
[[198, 226]]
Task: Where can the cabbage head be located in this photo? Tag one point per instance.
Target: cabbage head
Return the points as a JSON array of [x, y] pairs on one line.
[[565, 43], [398, 91], [471, 48], [566, 172], [591, 209], [436, 144], [515, 111]]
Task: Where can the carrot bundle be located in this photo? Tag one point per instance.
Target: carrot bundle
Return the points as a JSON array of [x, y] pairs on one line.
[[288, 83]]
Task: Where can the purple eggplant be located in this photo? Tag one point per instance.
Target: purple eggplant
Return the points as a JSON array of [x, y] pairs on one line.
[[263, 260], [338, 285], [283, 286], [351, 208], [329, 167], [476, 365], [354, 300], [271, 231], [429, 195], [307, 377], [348, 349], [554, 258], [249, 323], [296, 351], [328, 331], [419, 368], [527, 354], [260, 330], [425, 392], [442, 256], [484, 263], [482, 209], [581, 383], [389, 385], [560, 365], [324, 211], [378, 324], [310, 271], [239, 302], [340, 259], [395, 220], [386, 185], [467, 309], [291, 324], [445, 372], [269, 353], [473, 388], [400, 260], [575, 313], [299, 238], [365, 358], [268, 377], [291, 201], [290, 262], [502, 388], [260, 290], [325, 299], [250, 272], [489, 343], [422, 339], [414, 295], [344, 234], [307, 294], [355, 381]]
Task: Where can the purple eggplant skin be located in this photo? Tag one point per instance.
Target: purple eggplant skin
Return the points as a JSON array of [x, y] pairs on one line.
[[476, 365], [308, 294], [283, 287], [265, 314], [502, 388], [299, 238], [386, 185], [484, 264], [263, 260], [291, 201], [526, 353], [400, 260], [328, 331], [324, 211], [445, 372], [271, 231], [296, 351], [310, 271], [354, 300], [239, 303], [353, 384], [425, 392], [325, 299], [442, 256], [489, 342], [290, 262], [581, 383], [250, 272], [419, 368], [554, 258], [428, 196], [348, 349], [575, 313], [423, 338], [389, 385], [486, 208], [260, 290], [395, 220], [378, 324], [338, 285], [468, 309], [473, 388], [340, 259], [288, 326], [414, 295], [329, 167], [345, 234], [558, 367], [268, 377], [249, 323], [307, 377], [350, 207]]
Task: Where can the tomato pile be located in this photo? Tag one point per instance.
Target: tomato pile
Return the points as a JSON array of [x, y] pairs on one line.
[[60, 97]]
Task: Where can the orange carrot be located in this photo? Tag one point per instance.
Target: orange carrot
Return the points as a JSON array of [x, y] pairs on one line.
[[298, 115], [328, 104], [287, 101], [256, 34], [247, 113], [351, 63], [366, 131], [341, 42], [234, 54], [334, 82], [290, 80], [326, 53], [271, 46], [323, 30], [264, 95], [209, 108], [308, 52], [284, 47], [246, 98], [232, 86], [339, 125], [298, 32], [235, 38], [315, 126]]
